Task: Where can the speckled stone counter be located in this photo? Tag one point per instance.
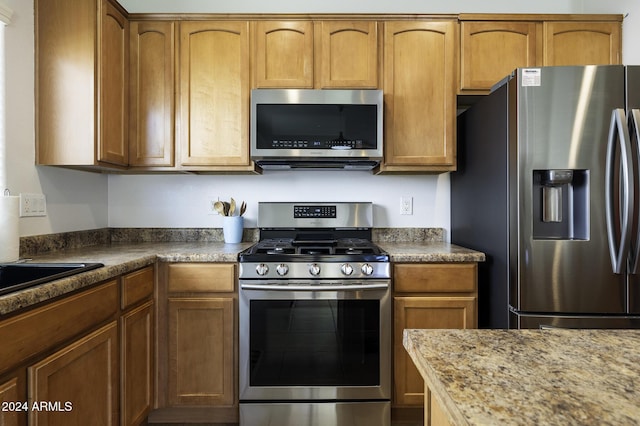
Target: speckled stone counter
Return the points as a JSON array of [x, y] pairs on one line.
[[118, 258], [123, 257], [432, 251], [531, 377]]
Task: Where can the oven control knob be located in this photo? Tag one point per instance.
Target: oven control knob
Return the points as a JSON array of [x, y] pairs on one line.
[[314, 269], [367, 269], [346, 269], [282, 269], [262, 269]]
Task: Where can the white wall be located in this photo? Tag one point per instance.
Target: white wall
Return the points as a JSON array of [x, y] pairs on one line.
[[184, 201], [630, 25], [79, 200]]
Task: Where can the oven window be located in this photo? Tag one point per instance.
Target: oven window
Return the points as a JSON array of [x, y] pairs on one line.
[[315, 343]]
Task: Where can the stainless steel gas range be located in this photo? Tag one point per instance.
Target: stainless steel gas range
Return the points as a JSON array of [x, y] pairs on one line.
[[315, 318]]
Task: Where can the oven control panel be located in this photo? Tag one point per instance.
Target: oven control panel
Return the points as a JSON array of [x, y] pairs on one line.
[[334, 215], [324, 211]]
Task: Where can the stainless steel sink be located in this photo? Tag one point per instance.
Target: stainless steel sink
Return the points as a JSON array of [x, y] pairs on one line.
[[18, 276]]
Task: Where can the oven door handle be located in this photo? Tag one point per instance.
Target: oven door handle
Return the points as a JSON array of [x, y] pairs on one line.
[[274, 287]]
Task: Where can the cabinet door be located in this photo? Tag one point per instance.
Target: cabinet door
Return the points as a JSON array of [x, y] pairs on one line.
[[214, 95], [137, 364], [151, 78], [582, 43], [420, 74], [114, 86], [12, 392], [65, 33], [423, 312], [82, 378], [492, 50], [283, 54], [347, 56], [201, 352]]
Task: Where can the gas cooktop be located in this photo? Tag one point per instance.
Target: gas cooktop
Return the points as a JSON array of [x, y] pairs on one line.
[[314, 240], [290, 246], [289, 258]]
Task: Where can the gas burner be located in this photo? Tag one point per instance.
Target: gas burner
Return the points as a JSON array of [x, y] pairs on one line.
[[280, 250], [315, 250], [352, 251]]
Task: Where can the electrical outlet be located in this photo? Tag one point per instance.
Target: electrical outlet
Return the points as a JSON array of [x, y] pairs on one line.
[[33, 205], [406, 205]]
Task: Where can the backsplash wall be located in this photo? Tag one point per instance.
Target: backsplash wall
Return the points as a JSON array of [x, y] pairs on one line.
[[183, 201]]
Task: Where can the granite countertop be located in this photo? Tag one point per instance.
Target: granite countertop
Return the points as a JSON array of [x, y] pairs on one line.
[[118, 259], [121, 258], [435, 251], [526, 377]]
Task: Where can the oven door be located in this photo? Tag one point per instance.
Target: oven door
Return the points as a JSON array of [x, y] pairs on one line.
[[313, 342]]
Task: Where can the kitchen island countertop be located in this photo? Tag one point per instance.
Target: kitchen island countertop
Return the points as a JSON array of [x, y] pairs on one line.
[[122, 258], [526, 377]]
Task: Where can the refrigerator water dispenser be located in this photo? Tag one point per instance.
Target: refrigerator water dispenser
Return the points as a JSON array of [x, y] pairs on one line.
[[560, 203]]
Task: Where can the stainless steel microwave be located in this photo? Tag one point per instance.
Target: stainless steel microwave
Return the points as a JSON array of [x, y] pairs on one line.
[[316, 129]]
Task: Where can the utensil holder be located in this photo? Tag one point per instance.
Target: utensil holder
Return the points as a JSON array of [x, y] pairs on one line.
[[232, 227]]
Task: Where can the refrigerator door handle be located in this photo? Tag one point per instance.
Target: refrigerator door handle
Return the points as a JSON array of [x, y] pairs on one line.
[[619, 135], [634, 139]]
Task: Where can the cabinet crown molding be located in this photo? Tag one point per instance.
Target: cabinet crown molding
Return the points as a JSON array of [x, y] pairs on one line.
[[539, 17]]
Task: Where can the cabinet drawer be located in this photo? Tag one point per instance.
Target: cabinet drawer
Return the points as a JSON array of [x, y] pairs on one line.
[[201, 277], [437, 277], [137, 286], [39, 329]]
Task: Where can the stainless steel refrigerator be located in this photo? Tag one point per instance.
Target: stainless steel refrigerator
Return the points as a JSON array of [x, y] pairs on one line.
[[547, 186]]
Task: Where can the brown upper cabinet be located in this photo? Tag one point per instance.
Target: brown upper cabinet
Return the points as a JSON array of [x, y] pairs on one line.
[[582, 43], [320, 54], [492, 46], [283, 54], [491, 50], [347, 54], [172, 93], [420, 79], [213, 100], [152, 101], [82, 59]]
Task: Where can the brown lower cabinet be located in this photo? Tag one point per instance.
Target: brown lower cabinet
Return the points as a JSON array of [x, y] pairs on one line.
[[428, 295], [86, 358], [200, 351], [434, 413], [197, 343], [79, 383], [137, 366], [11, 389], [137, 346]]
